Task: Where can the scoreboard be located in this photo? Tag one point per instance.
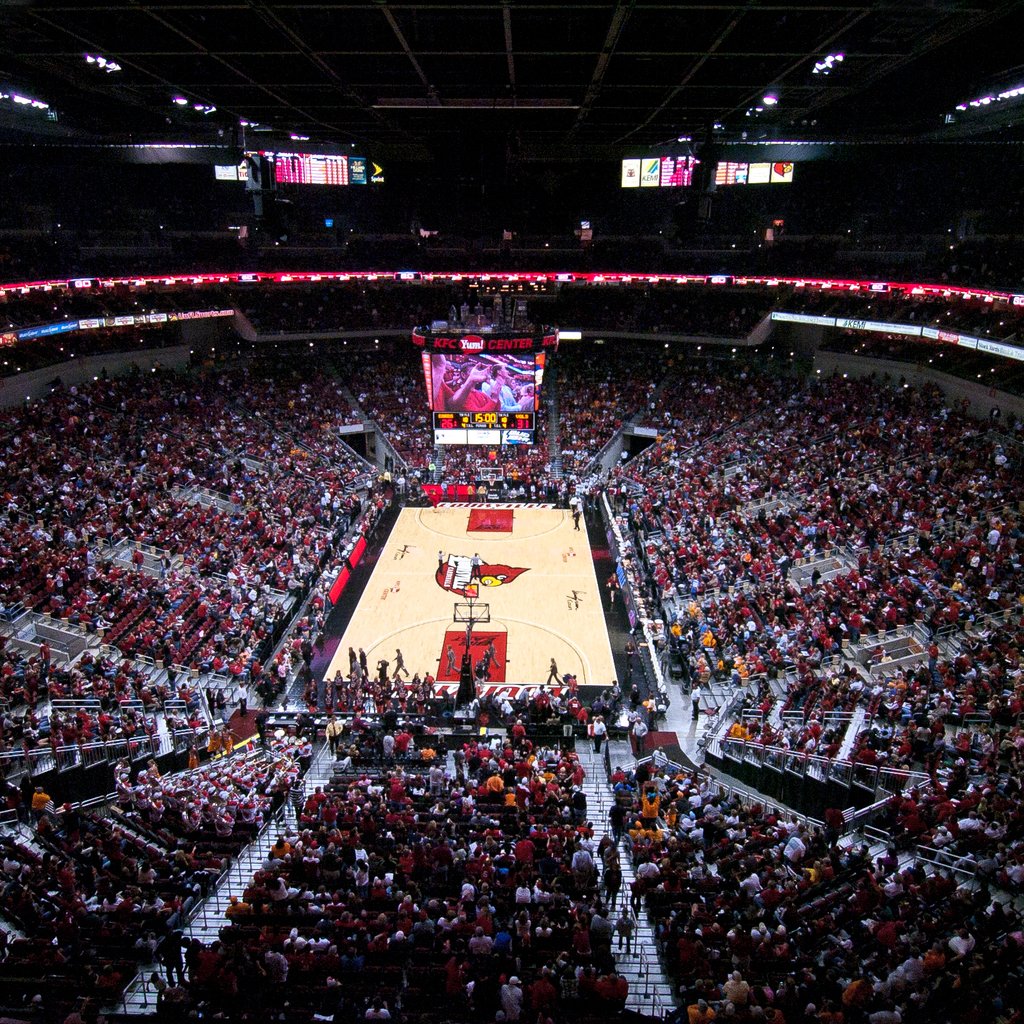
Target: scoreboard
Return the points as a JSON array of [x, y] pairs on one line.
[[733, 172], [310, 169], [484, 381], [658, 171], [487, 428], [492, 420]]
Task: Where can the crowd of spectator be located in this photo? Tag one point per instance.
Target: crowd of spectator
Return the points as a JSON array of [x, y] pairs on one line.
[[293, 309], [241, 483], [179, 518], [355, 306], [761, 917], [413, 892], [235, 795], [96, 895], [392, 392], [661, 309], [968, 364], [600, 390], [781, 547], [999, 320]]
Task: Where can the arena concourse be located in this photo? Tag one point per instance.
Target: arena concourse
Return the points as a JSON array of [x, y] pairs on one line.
[[511, 513]]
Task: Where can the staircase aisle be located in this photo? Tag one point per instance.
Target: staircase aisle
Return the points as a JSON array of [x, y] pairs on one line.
[[853, 730], [650, 992], [554, 424], [347, 394], [208, 918]]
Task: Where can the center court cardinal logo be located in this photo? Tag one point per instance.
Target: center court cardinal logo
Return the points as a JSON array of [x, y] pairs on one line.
[[455, 574]]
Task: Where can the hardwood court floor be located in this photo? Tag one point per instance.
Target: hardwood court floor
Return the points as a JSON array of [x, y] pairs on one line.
[[551, 608]]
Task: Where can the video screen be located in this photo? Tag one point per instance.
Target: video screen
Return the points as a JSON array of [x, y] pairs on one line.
[[658, 171], [310, 169], [731, 172], [483, 382]]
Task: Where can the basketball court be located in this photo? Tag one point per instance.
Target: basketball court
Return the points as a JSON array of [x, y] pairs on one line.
[[534, 597]]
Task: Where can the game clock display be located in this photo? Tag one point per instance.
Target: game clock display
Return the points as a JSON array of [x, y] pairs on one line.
[[489, 420]]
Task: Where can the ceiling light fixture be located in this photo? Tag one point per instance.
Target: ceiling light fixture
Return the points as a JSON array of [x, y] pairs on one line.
[[827, 64], [24, 101], [500, 103], [985, 101], [102, 63]]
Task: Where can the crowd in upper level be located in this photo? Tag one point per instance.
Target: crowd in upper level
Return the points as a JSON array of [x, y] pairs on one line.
[[362, 307], [175, 518]]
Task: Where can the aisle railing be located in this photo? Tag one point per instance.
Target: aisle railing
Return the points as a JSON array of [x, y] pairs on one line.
[[37, 760], [875, 778]]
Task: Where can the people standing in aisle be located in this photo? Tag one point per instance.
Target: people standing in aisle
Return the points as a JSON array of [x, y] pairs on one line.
[[335, 728], [617, 820], [261, 726], [624, 928], [630, 651], [612, 876], [600, 732], [638, 730]]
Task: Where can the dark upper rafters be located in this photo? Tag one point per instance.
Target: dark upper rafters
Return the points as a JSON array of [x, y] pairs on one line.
[[38, 15], [510, 59], [273, 19], [572, 76], [694, 68], [618, 21], [431, 91], [959, 23]]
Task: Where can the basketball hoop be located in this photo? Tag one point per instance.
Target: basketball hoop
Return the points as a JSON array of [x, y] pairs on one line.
[[472, 591]]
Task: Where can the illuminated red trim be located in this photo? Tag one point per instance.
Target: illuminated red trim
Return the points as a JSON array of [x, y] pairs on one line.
[[542, 277], [357, 552], [338, 587]]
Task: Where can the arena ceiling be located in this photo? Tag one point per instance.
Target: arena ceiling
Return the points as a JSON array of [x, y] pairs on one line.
[[576, 79]]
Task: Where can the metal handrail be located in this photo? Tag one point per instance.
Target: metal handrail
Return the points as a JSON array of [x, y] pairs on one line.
[[891, 779], [660, 759], [36, 760]]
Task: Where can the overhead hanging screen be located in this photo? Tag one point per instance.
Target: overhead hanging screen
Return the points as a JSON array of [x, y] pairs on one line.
[[658, 172], [731, 172], [677, 171], [310, 169]]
